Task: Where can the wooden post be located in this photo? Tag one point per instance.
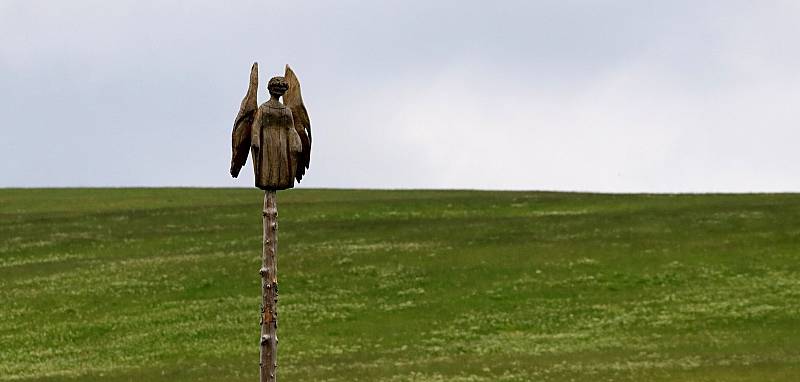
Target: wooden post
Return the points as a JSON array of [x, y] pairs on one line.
[[269, 290], [278, 136]]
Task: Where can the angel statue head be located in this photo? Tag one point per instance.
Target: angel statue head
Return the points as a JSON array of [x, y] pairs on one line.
[[277, 86]]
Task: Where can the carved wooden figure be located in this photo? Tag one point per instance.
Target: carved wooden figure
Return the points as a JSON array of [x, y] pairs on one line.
[[278, 136]]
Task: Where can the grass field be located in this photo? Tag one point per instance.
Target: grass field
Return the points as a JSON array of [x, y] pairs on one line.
[[162, 285]]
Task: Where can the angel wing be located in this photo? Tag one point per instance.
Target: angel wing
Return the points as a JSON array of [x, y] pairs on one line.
[[243, 123], [294, 100]]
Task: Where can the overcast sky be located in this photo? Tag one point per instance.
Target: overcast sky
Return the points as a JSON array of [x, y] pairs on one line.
[[594, 95]]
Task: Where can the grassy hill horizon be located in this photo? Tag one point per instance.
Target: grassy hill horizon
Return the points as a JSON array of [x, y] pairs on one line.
[[161, 284]]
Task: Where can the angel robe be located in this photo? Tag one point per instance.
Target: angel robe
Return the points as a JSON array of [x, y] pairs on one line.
[[275, 147]]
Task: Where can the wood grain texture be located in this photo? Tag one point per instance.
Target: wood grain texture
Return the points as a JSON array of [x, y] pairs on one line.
[[276, 146], [268, 363], [243, 124], [302, 123]]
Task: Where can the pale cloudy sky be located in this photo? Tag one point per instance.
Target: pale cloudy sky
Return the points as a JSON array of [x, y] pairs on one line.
[[594, 95]]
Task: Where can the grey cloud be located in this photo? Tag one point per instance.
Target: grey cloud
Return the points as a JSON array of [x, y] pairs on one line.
[[569, 95]]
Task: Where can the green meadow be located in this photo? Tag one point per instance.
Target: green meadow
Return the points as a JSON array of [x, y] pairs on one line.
[[163, 285]]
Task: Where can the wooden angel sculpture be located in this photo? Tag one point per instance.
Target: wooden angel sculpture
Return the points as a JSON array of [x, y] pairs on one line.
[[278, 135]]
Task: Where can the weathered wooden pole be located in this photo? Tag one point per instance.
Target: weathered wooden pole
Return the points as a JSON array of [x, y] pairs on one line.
[[269, 290], [278, 136]]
